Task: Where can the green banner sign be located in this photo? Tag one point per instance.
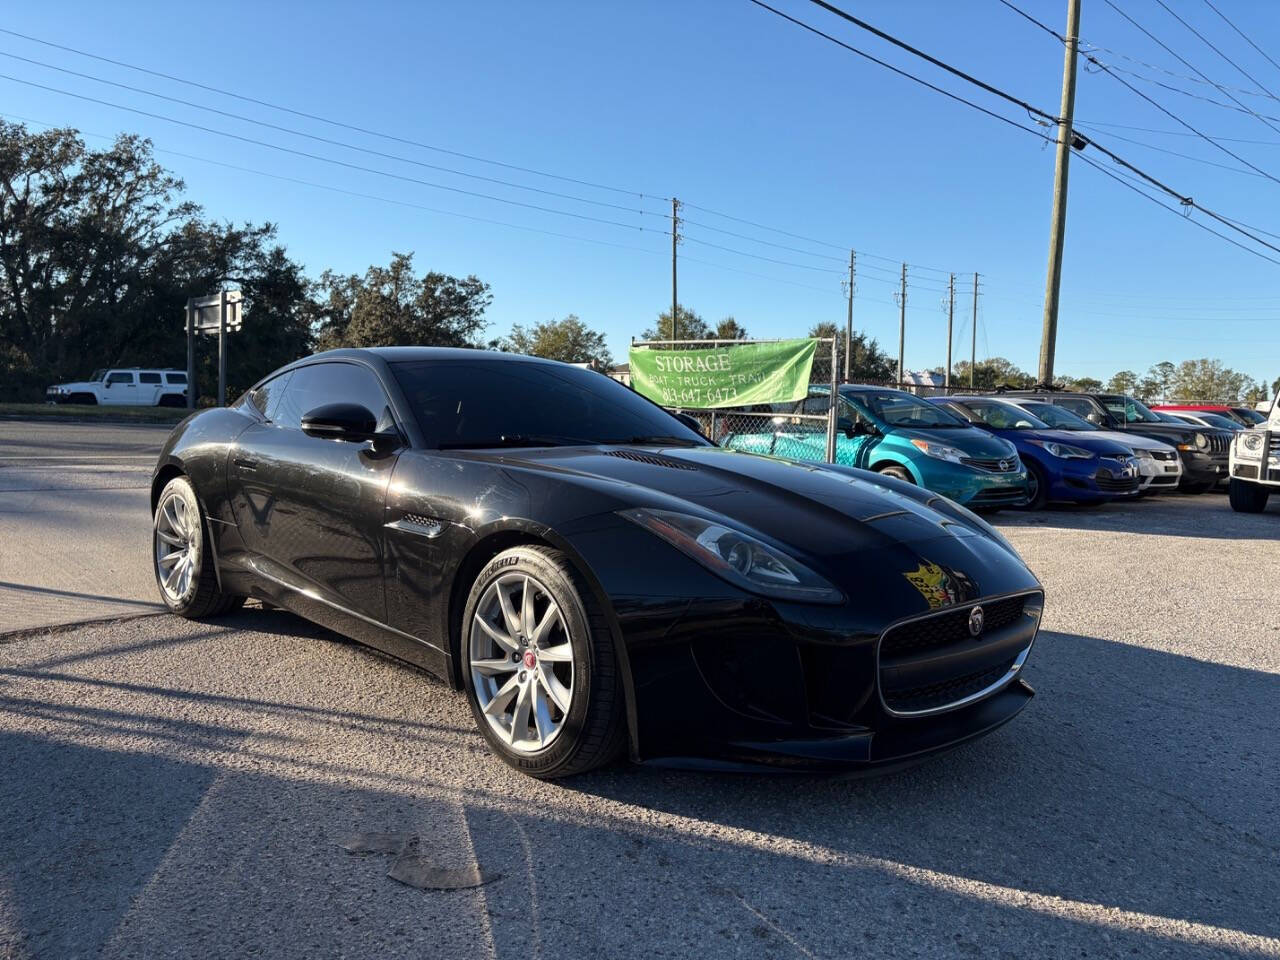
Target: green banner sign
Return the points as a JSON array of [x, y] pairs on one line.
[[732, 375]]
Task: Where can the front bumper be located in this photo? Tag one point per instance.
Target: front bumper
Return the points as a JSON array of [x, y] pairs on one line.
[[971, 486], [1252, 469], [1200, 467]]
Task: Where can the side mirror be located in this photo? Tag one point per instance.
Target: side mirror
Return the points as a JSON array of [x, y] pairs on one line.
[[1095, 418], [343, 421], [853, 428], [690, 422], [106, 384]]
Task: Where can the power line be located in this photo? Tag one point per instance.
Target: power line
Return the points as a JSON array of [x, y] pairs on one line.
[[1175, 153], [328, 140], [1245, 36], [1097, 166], [324, 159], [1022, 13], [1185, 201], [1174, 74], [1186, 63], [1175, 133], [1206, 42], [322, 119]]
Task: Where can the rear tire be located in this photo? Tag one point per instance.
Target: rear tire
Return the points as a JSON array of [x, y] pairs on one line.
[[541, 675], [1247, 497], [181, 557]]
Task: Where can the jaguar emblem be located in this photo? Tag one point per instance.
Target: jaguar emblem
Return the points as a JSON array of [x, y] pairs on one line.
[[977, 619]]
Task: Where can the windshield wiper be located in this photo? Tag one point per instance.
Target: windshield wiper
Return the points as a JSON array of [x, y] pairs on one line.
[[521, 440], [669, 440]]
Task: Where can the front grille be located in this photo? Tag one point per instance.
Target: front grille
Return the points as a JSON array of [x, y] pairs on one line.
[[650, 459], [1219, 442], [1006, 465], [1118, 484], [1163, 454], [1001, 495], [934, 695], [948, 628], [935, 663]]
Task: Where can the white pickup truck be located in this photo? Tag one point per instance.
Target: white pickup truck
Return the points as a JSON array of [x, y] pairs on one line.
[[1255, 463], [131, 386]]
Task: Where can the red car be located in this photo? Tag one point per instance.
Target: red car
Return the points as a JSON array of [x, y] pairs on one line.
[[1241, 415]]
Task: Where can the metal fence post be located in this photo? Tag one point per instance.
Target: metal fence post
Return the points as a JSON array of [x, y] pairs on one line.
[[191, 354], [832, 413]]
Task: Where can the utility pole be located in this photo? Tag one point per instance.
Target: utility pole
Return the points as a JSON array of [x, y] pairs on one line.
[[1053, 282], [675, 239], [951, 316], [848, 323], [973, 348], [902, 324]]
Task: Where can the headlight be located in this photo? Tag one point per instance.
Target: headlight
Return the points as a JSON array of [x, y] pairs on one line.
[[1249, 445], [736, 557], [1064, 450], [1201, 441], [939, 450]]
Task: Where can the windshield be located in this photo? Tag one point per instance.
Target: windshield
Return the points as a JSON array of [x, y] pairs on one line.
[[490, 402], [1218, 420], [98, 375], [1057, 417], [1128, 410], [897, 408], [1249, 416], [1003, 416]]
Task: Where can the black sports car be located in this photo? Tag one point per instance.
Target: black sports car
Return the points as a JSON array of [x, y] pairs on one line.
[[593, 572]]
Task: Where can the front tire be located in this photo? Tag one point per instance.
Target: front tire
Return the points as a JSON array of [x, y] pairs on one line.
[[1037, 487], [1247, 497], [181, 558], [897, 472], [539, 665]]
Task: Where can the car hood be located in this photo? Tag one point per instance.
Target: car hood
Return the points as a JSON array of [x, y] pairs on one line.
[[1134, 440], [79, 385], [1094, 442], [972, 441], [840, 519]]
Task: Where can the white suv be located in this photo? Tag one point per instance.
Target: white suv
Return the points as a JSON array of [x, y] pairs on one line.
[[132, 386], [1255, 463]]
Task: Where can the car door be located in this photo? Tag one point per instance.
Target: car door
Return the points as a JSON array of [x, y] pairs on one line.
[[149, 387], [310, 510], [121, 387]]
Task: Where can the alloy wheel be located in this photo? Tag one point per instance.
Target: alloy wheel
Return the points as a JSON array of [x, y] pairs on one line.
[[521, 662], [177, 549]]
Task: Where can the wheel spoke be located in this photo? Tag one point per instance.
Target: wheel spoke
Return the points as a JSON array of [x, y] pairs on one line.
[[526, 609], [549, 620], [501, 639], [169, 558], [542, 714], [500, 699], [491, 668], [172, 578], [508, 612], [556, 690], [169, 538], [520, 717], [171, 516], [562, 653]]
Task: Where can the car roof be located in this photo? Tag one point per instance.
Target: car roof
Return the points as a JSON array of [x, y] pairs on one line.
[[411, 354]]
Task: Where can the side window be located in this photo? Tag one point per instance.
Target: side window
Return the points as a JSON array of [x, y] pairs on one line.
[[819, 403], [1081, 408], [119, 376], [149, 378], [312, 386], [176, 378], [265, 397]]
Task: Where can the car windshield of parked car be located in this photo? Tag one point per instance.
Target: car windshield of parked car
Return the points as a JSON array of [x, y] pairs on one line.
[[1057, 417], [1003, 416], [493, 403], [1128, 410], [1250, 417], [1218, 420], [98, 375], [897, 408]]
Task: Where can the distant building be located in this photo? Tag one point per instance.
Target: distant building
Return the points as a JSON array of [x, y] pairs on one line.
[[622, 373], [924, 383]]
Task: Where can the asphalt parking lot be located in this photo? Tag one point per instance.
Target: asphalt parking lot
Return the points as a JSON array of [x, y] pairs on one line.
[[176, 789]]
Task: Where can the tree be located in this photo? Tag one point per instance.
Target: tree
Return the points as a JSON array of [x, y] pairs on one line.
[[991, 373], [1126, 381], [689, 326], [1206, 380], [730, 329], [1083, 384], [1160, 377], [868, 363], [569, 340], [392, 305]]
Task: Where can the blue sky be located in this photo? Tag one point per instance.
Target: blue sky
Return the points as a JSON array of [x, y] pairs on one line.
[[729, 108]]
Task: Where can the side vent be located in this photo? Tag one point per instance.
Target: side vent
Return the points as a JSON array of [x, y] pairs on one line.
[[650, 458]]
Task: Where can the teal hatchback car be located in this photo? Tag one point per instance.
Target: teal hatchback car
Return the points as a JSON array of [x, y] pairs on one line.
[[898, 434]]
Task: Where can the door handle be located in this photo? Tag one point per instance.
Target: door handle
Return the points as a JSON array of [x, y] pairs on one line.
[[246, 464]]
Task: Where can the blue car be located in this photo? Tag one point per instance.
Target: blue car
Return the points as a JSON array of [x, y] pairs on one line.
[[1061, 466]]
